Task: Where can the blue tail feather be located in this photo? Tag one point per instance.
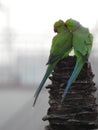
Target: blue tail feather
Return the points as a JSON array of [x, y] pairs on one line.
[[76, 71], [48, 72]]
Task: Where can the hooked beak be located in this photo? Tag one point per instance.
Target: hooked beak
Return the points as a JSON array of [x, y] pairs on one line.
[[55, 30]]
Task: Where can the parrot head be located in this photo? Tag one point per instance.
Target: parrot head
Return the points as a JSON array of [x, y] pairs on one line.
[[59, 26], [72, 25]]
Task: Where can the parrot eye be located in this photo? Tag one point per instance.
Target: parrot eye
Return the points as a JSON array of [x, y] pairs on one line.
[[55, 30]]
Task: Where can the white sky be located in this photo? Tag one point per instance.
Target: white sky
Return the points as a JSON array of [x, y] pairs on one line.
[[35, 16], [32, 20]]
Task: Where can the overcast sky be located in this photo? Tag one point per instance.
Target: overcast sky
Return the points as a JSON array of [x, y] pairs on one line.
[[32, 20]]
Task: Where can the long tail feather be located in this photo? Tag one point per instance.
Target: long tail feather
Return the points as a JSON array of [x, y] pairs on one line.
[[48, 72], [79, 65]]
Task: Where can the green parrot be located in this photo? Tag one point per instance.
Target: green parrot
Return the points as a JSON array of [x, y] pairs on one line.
[[60, 48], [82, 43]]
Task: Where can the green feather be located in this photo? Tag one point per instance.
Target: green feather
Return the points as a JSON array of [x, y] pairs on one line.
[[60, 48], [82, 44]]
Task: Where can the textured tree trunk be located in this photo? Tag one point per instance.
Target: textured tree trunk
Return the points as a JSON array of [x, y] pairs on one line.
[[79, 109]]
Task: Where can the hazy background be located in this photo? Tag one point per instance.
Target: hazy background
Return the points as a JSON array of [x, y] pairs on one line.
[[26, 31]]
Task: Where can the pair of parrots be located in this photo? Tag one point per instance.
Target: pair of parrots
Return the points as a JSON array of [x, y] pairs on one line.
[[70, 35]]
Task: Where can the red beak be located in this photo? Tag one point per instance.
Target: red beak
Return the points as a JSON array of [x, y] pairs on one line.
[[55, 30]]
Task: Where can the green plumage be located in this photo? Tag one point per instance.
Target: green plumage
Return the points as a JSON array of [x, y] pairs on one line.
[[82, 40], [61, 47], [70, 35], [82, 43]]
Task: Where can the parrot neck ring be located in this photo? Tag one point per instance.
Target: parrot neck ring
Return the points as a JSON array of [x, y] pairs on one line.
[[77, 27]]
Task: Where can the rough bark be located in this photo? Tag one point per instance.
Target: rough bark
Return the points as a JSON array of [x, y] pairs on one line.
[[79, 109]]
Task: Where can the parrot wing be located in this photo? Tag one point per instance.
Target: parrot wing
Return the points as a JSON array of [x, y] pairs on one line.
[[82, 43], [61, 45], [82, 40]]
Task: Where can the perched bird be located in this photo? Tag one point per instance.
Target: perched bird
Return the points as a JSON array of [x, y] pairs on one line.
[[61, 47], [82, 43]]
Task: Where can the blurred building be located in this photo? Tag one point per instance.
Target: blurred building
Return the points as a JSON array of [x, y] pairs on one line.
[[26, 70]]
